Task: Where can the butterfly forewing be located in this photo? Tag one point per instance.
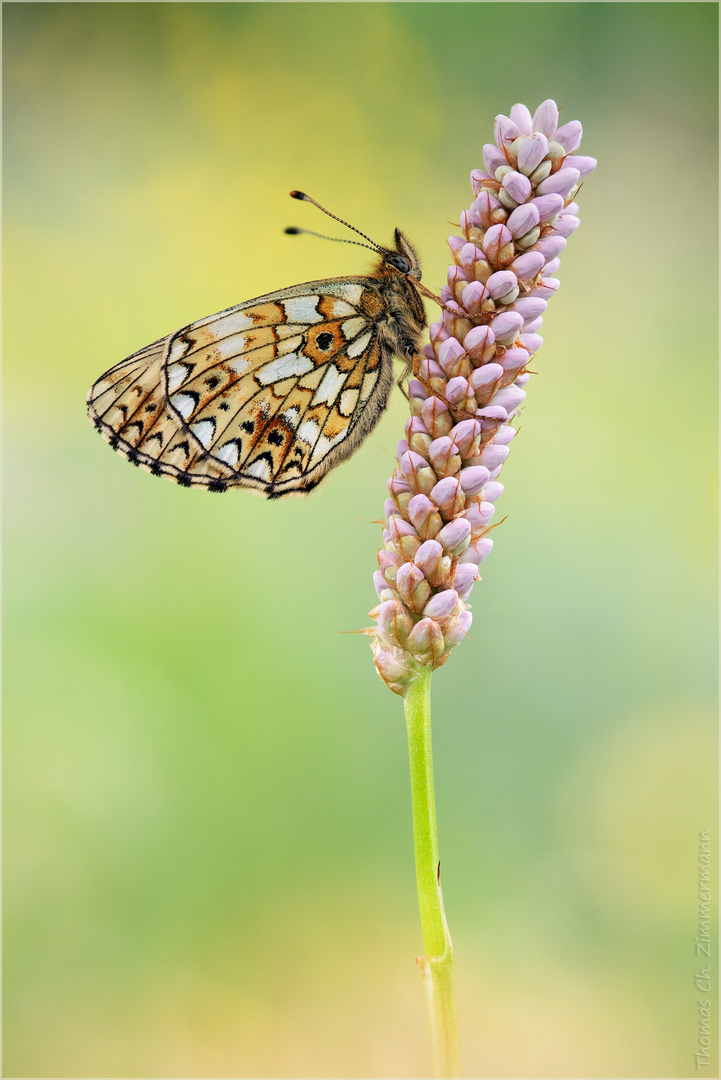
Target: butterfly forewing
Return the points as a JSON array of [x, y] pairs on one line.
[[269, 394]]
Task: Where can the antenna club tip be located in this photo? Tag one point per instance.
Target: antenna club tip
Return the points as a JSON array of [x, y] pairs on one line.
[[299, 195], [292, 231]]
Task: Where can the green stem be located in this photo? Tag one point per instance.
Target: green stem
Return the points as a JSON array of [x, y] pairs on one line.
[[437, 963]]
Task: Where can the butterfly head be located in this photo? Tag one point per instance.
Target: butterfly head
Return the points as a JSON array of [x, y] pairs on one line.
[[404, 259]]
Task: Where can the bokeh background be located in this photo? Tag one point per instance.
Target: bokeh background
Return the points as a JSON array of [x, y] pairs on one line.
[[208, 851]]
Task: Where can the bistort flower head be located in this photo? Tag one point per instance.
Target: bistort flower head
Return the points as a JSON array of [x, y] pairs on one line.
[[471, 386]]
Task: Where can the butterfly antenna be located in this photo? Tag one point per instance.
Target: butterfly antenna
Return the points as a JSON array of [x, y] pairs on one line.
[[306, 198], [293, 231]]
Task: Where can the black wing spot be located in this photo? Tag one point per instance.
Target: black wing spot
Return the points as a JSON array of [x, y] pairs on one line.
[[324, 341], [184, 481], [212, 382], [217, 485], [275, 437], [150, 408], [224, 406], [249, 426]]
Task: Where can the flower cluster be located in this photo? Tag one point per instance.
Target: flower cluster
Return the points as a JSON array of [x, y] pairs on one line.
[[471, 384]]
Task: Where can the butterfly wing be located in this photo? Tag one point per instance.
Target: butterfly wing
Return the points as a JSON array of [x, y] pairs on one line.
[[269, 394]]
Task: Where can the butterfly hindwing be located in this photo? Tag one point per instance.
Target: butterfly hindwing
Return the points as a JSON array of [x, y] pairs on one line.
[[269, 394]]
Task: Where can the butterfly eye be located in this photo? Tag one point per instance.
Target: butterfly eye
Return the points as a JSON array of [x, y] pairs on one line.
[[398, 262]]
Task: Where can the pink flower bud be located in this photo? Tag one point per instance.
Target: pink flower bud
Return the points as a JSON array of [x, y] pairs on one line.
[[465, 435], [491, 415], [416, 389], [532, 342], [444, 456], [585, 165], [436, 417], [449, 351], [396, 622], [551, 246], [521, 117], [455, 537], [504, 130], [552, 267], [379, 582], [517, 185], [494, 455], [477, 178], [393, 667], [398, 528], [469, 255], [472, 479], [480, 343], [466, 574], [410, 463], [559, 183], [492, 491], [388, 569], [437, 332], [478, 514], [458, 629], [566, 224], [523, 219], [397, 484], [484, 206], [425, 641], [548, 206], [495, 240], [500, 283], [477, 551], [473, 296], [526, 266], [420, 508], [509, 397], [514, 360], [428, 558], [483, 381], [414, 426], [455, 243], [446, 491], [546, 288], [506, 326], [505, 435], [459, 394], [531, 152], [569, 136], [413, 589], [442, 603], [456, 274], [530, 307], [545, 118], [493, 158], [468, 220]]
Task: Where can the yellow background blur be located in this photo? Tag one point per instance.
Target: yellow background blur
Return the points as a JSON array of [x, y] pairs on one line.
[[208, 852]]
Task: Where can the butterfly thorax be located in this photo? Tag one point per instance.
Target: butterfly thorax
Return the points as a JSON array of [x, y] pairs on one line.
[[405, 319]]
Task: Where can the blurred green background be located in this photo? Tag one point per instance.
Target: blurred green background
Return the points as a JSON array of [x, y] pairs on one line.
[[208, 851]]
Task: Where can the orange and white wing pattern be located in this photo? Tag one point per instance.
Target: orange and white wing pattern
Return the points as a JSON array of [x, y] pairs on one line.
[[269, 394]]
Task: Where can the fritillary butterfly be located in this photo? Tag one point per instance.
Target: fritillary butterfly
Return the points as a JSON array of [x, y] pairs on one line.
[[274, 392]]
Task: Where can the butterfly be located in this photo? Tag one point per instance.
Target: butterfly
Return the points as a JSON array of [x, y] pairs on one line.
[[272, 393]]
